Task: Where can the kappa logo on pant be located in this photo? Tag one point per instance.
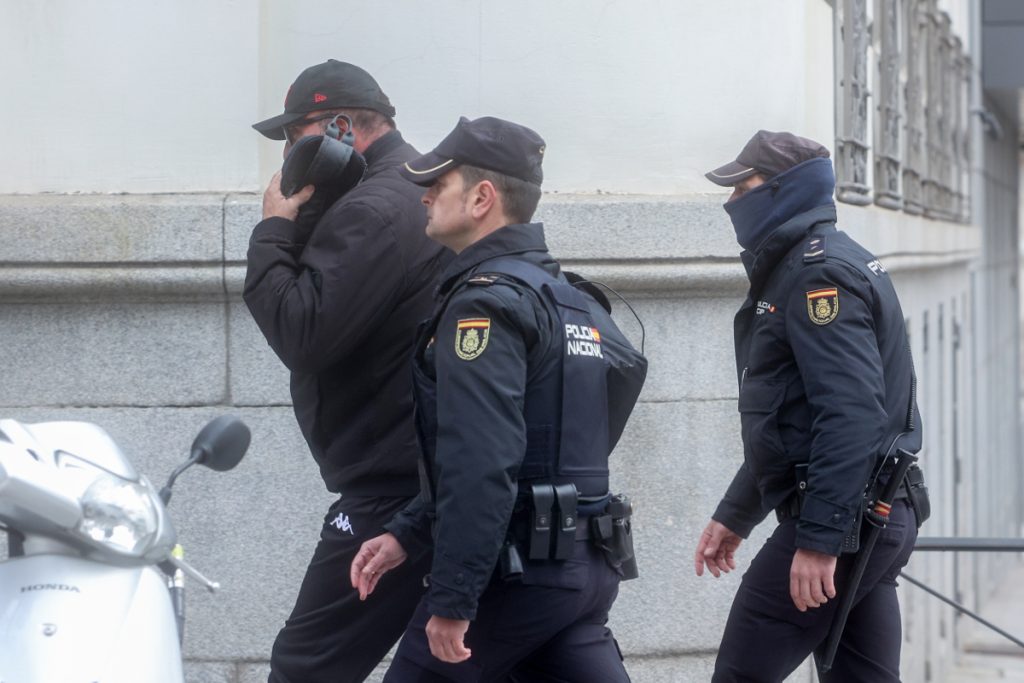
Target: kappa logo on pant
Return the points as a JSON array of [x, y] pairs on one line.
[[343, 524]]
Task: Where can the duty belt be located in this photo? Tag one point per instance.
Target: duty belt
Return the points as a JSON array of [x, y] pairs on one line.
[[553, 517]]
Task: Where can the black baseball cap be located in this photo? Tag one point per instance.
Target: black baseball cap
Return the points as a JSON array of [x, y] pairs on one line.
[[769, 154], [490, 143], [331, 85]]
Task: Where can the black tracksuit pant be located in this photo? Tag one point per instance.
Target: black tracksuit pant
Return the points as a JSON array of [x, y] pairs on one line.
[[332, 637]]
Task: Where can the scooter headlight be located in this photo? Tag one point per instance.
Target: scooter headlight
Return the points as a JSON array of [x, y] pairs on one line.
[[119, 515]]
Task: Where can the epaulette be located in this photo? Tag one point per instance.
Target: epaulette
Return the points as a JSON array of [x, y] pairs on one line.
[[815, 250], [483, 279]]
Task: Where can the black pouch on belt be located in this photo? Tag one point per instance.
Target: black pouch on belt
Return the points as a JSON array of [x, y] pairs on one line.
[[917, 492], [565, 529], [542, 500], [510, 563], [613, 533]]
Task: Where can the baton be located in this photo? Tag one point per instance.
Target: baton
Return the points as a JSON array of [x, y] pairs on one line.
[[878, 515]]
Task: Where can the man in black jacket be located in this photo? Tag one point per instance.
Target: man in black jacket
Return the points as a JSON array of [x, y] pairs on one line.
[[826, 397], [338, 299], [491, 368]]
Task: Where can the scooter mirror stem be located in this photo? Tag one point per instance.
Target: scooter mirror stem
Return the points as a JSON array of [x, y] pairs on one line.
[[165, 492]]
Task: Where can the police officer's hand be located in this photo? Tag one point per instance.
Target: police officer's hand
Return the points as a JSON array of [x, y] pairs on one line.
[[811, 576], [716, 549], [446, 639], [376, 557], [276, 204]]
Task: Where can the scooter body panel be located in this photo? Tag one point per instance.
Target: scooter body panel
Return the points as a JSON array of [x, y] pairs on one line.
[[66, 619]]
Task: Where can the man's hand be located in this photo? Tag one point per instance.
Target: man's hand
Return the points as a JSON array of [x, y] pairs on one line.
[[445, 638], [716, 549], [376, 557], [811, 578], [276, 204]]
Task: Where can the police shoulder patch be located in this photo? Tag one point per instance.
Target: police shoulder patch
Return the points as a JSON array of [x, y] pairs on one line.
[[823, 305], [471, 336]]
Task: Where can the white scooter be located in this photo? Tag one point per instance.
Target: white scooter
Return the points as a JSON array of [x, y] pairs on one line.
[[92, 589]]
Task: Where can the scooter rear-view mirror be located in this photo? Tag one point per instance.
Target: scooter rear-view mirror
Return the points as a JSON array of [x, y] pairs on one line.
[[220, 446], [222, 443]]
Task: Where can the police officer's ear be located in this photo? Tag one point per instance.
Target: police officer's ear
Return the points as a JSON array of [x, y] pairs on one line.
[[484, 198]]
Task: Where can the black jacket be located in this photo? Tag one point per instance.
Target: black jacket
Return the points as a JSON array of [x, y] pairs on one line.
[[825, 375], [340, 306], [479, 427]]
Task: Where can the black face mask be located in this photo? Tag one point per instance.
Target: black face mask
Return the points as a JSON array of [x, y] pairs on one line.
[[332, 165], [757, 213]]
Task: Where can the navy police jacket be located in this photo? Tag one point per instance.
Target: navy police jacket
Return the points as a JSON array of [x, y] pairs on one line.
[[825, 378], [492, 349]]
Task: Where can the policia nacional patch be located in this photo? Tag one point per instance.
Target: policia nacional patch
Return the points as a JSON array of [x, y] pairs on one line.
[[823, 305], [471, 337]]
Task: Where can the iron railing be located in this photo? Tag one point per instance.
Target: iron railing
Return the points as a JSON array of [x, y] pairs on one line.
[[976, 545]]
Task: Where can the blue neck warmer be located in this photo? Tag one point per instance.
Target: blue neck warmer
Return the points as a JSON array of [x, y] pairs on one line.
[[757, 213]]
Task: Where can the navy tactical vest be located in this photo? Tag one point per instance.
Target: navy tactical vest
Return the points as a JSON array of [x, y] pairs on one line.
[[573, 421]]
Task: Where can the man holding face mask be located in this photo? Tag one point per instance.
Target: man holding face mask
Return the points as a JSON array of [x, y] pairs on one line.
[[338, 292]]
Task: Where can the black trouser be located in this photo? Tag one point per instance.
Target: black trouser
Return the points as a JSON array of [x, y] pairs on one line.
[[332, 637], [767, 638], [527, 632]]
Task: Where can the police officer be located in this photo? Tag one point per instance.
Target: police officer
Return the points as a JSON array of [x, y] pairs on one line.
[[490, 367], [826, 398]]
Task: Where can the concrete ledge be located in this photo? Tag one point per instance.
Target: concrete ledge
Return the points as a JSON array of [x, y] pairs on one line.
[[214, 282], [114, 282], [111, 228], [697, 278], [184, 247]]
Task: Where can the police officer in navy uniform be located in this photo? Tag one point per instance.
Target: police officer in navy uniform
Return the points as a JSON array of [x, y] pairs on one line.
[[489, 371], [826, 397]]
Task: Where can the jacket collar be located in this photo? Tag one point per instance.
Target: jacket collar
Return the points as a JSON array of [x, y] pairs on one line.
[[380, 152], [761, 262], [517, 238]]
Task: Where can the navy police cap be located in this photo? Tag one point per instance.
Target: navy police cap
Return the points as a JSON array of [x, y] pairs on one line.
[[768, 153], [489, 143]]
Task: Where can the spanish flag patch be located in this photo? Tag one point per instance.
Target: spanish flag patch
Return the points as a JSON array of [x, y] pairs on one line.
[[823, 305], [471, 336]]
